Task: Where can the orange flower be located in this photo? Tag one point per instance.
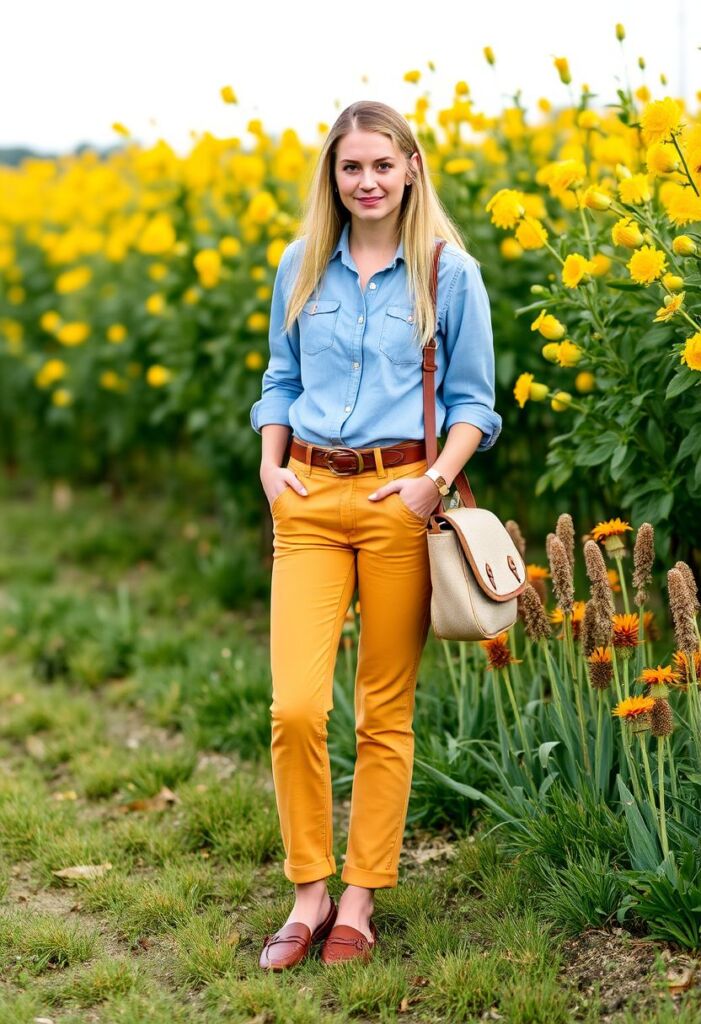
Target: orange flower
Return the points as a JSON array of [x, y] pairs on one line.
[[537, 572], [498, 653], [656, 676], [610, 533], [634, 707], [557, 618], [650, 630], [613, 580], [625, 630], [682, 666], [600, 655]]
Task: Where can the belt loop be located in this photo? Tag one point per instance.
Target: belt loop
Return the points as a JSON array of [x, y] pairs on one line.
[[379, 464], [308, 460]]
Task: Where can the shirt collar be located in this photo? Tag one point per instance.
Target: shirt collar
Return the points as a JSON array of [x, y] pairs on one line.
[[342, 247]]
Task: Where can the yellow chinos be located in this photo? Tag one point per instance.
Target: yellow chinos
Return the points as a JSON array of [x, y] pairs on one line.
[[324, 545]]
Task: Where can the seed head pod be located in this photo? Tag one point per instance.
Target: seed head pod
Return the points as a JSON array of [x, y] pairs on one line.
[[661, 718], [565, 531], [514, 531], [532, 613], [681, 604], [561, 573], [643, 560], [688, 575]]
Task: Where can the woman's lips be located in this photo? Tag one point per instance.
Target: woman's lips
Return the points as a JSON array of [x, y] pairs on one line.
[[370, 202]]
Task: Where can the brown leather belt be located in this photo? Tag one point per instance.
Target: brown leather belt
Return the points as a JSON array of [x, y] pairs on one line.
[[344, 461]]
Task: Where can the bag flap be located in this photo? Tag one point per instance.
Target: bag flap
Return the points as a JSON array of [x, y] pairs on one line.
[[491, 553]]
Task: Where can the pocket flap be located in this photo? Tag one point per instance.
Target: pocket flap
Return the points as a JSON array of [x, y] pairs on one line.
[[321, 306], [405, 313]]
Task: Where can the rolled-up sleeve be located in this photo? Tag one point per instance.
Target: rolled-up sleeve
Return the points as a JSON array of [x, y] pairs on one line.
[[467, 389], [281, 383]]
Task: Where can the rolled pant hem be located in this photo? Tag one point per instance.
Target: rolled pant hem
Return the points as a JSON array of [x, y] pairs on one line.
[[309, 872], [369, 879]]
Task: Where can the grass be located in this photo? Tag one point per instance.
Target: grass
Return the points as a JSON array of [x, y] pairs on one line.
[[134, 736]]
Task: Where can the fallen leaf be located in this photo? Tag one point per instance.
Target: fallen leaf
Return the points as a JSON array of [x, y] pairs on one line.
[[680, 980], [68, 794], [160, 802], [36, 747], [83, 871]]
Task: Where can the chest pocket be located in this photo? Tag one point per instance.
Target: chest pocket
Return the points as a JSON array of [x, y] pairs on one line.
[[318, 325], [398, 337]]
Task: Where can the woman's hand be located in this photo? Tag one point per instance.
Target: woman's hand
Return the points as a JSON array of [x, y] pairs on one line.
[[276, 478], [420, 494]]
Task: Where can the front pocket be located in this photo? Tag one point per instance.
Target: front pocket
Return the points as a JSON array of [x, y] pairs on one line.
[[398, 338], [410, 512], [317, 325], [276, 500]]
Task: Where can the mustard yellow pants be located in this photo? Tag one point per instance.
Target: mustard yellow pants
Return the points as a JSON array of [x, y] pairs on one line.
[[324, 545]]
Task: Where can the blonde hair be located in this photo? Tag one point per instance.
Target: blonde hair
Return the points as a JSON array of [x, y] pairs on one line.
[[422, 216]]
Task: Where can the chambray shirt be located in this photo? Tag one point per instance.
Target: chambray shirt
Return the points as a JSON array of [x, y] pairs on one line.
[[349, 370]]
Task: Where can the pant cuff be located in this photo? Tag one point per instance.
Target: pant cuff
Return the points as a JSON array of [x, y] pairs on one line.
[[309, 872], [369, 879]]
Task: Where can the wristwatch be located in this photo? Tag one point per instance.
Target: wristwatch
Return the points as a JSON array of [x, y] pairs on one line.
[[438, 480]]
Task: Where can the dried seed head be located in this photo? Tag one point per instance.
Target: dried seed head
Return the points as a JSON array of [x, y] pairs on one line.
[[643, 559], [682, 607], [688, 575], [565, 531], [514, 531], [532, 613], [548, 539], [589, 629], [561, 574], [661, 718], [601, 592]]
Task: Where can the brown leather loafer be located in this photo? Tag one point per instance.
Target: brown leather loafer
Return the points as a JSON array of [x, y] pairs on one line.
[[346, 943], [294, 941]]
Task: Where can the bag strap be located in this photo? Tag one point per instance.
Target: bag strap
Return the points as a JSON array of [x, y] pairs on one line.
[[429, 397]]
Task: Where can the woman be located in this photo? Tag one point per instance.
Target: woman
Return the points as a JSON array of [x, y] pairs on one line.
[[344, 468]]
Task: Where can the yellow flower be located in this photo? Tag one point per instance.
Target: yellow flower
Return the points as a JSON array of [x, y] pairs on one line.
[[73, 280], [620, 32], [50, 372], [50, 321], [569, 354], [191, 295], [510, 249], [110, 381], [626, 232], [254, 360], [662, 158], [257, 321], [208, 266], [155, 304], [229, 246], [262, 208], [560, 401], [673, 282], [228, 94], [588, 119], [660, 119], [600, 264], [157, 271], [158, 375], [274, 251], [158, 236], [16, 295], [461, 88], [574, 269], [585, 382], [672, 305], [459, 165], [412, 76], [549, 326], [506, 207], [595, 198], [119, 128], [531, 234], [526, 388], [692, 352], [635, 190], [682, 245], [551, 351], [116, 333], [263, 292], [61, 397], [489, 55], [258, 273], [633, 707], [646, 264], [563, 69], [74, 333]]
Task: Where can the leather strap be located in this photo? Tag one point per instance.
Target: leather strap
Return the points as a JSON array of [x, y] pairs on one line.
[[344, 460], [429, 397]]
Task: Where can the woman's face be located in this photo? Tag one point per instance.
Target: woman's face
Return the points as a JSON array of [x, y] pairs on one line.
[[369, 166]]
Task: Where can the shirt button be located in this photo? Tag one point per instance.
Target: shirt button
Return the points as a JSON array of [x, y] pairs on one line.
[[372, 285], [360, 319], [348, 408], [356, 365]]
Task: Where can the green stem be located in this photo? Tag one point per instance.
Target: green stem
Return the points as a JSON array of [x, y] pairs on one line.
[[660, 790], [521, 732], [622, 581]]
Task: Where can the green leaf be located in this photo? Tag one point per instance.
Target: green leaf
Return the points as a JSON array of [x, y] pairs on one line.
[[465, 790], [623, 285], [683, 380], [643, 844], [544, 751]]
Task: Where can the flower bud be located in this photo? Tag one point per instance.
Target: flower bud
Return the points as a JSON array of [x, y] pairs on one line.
[[538, 392], [560, 401], [673, 282], [550, 351], [682, 245]]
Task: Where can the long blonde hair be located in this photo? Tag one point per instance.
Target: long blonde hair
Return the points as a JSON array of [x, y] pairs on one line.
[[422, 216]]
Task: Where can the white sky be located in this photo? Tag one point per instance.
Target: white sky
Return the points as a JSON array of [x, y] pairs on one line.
[[68, 69]]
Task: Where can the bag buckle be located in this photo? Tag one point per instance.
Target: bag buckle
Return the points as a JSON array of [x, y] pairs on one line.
[[348, 471]]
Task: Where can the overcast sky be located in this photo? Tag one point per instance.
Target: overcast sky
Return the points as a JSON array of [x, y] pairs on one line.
[[69, 69]]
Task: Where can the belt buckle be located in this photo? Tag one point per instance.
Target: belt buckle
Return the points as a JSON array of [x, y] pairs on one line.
[[353, 470]]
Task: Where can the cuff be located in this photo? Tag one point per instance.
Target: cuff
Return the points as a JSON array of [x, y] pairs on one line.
[[480, 416], [270, 410]]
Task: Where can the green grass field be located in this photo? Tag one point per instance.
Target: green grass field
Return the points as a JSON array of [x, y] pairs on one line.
[[134, 695]]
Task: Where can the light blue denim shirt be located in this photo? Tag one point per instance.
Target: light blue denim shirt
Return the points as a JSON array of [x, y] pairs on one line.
[[349, 371]]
